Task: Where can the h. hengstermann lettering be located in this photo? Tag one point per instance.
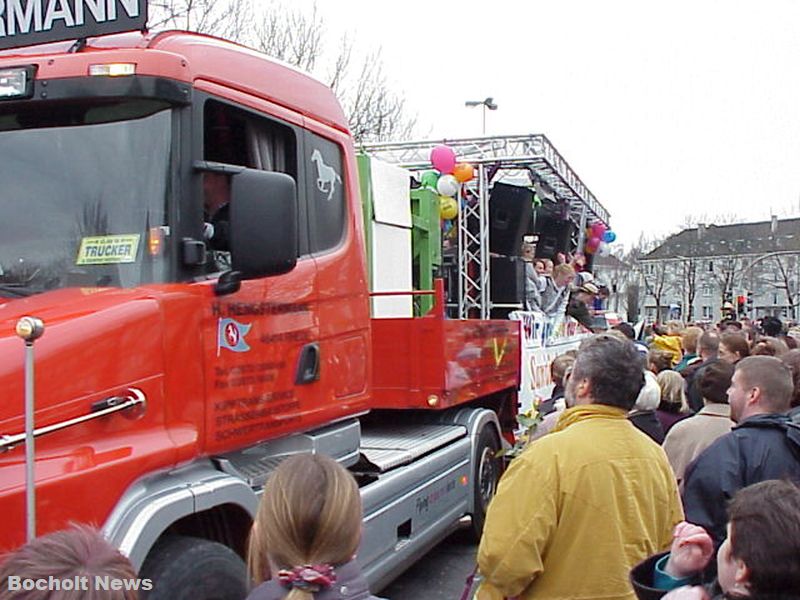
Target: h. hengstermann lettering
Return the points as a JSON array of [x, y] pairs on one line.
[[40, 16]]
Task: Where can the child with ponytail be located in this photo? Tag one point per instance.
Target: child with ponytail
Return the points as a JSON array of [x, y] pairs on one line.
[[306, 533]]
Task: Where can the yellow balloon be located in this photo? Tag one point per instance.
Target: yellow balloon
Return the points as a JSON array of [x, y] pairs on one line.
[[448, 207]]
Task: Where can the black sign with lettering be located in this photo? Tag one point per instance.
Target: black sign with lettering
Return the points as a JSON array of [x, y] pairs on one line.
[[27, 22]]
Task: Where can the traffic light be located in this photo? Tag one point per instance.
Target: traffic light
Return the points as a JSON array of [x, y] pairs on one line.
[[749, 303], [741, 301]]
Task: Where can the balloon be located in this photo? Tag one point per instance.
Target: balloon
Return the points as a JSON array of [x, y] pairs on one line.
[[598, 229], [603, 249], [464, 172], [429, 179], [592, 245], [609, 236], [448, 207], [447, 185], [443, 159]]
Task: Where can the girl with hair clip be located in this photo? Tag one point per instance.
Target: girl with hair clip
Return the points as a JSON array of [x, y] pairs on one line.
[[306, 534]]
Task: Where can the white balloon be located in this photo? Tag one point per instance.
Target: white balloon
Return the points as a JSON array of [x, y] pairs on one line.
[[447, 185], [603, 249]]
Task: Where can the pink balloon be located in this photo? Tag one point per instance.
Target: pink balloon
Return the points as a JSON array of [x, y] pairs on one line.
[[598, 229], [443, 159]]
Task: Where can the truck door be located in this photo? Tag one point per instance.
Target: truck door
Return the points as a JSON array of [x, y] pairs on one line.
[[337, 245], [256, 339]]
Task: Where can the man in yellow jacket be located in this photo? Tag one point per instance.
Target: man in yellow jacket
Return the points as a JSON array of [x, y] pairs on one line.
[[584, 504]]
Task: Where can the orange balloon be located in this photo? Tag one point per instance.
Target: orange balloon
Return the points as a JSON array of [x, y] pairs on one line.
[[464, 172]]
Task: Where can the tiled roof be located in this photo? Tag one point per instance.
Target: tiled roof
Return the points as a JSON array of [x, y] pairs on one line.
[[726, 240]]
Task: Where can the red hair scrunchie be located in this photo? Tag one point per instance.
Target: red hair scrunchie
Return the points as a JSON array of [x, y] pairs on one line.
[[308, 577]]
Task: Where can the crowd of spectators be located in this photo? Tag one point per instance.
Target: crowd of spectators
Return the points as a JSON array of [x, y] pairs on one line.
[[561, 286], [720, 407]]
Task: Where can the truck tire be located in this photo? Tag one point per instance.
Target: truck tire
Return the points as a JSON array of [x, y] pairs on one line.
[[190, 568], [487, 474]]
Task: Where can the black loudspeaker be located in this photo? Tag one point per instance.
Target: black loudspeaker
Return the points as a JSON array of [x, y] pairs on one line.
[[507, 277], [507, 280], [449, 272], [554, 236], [510, 210]]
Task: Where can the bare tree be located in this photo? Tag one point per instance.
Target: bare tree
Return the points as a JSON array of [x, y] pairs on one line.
[[687, 269], [725, 271], [341, 65], [632, 302], [786, 279], [292, 36], [375, 112], [229, 19], [656, 280], [654, 275]]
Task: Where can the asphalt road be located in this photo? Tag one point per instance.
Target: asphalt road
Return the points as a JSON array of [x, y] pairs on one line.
[[440, 574]]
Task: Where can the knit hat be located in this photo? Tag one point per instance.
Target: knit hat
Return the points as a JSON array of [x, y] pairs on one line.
[[714, 381], [669, 343]]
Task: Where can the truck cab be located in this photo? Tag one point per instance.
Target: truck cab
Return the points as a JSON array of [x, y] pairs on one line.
[[183, 214]]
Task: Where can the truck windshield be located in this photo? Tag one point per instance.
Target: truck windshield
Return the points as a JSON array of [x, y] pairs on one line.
[[84, 195]]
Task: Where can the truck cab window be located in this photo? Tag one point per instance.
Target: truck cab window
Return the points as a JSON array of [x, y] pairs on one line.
[[237, 137], [325, 192]]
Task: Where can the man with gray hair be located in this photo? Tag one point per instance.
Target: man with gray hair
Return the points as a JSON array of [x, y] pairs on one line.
[[765, 444], [582, 505]]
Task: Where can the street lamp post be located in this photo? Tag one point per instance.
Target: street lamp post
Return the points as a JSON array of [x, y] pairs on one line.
[[487, 103]]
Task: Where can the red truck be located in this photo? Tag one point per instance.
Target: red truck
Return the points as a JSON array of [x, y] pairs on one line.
[[170, 378]]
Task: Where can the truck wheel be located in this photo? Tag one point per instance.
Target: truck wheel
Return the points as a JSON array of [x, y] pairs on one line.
[[487, 474], [190, 568]]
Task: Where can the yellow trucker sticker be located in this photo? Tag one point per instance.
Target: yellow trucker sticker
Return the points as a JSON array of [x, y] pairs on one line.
[[108, 249]]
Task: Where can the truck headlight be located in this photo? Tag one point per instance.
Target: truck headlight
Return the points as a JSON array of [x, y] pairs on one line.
[[16, 82]]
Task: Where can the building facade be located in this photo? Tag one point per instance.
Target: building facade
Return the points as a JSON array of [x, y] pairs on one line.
[[622, 280], [752, 269]]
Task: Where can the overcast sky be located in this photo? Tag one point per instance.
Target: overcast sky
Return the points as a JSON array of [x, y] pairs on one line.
[[664, 109]]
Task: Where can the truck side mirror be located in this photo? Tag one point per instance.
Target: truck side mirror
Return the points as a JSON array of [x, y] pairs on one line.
[[263, 223]]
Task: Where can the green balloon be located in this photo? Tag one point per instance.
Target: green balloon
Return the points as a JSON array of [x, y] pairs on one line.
[[429, 179]]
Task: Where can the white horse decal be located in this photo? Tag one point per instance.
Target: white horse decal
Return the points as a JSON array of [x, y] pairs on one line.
[[326, 176]]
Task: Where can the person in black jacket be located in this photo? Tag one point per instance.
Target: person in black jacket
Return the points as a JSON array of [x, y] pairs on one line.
[[765, 444], [579, 303], [759, 559], [707, 349], [216, 217]]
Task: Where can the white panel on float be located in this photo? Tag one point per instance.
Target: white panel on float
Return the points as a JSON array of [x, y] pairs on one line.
[[391, 187], [391, 266]]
